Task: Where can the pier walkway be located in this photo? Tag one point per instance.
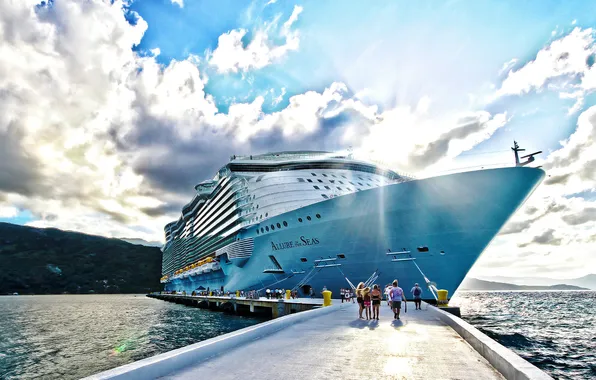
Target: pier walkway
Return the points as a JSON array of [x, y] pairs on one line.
[[337, 345]]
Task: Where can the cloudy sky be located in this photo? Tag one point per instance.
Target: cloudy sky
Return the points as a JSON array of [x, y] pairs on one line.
[[110, 112]]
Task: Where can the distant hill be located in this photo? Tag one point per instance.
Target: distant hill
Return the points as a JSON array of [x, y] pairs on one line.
[[475, 284], [142, 242], [588, 281], [52, 261]]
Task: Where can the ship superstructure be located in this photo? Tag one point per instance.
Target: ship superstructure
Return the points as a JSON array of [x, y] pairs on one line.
[[276, 218]]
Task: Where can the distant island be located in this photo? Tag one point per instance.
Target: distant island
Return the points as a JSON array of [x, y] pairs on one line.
[[476, 284], [52, 261]]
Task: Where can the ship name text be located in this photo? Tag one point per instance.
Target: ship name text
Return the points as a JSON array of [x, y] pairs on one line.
[[303, 241]]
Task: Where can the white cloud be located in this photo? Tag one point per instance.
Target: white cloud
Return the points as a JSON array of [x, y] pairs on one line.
[[8, 211], [564, 65], [232, 56], [180, 3]]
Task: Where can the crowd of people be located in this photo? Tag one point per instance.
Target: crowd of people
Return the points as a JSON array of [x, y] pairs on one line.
[[369, 300]]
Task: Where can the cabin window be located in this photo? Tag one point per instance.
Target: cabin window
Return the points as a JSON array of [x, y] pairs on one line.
[[327, 187], [300, 179], [324, 175], [341, 182], [262, 230], [339, 188], [313, 174], [360, 183], [267, 228], [266, 214], [308, 217], [318, 216], [309, 180], [300, 220], [422, 248], [316, 187], [320, 180], [303, 259], [278, 225], [272, 227], [285, 223], [341, 256], [332, 180], [325, 196]]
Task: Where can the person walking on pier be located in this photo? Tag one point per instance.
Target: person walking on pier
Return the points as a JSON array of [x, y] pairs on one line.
[[417, 294], [397, 296], [359, 299], [388, 295], [366, 300], [376, 301]]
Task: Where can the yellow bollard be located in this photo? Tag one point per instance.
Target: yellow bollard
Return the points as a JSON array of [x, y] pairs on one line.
[[210, 294], [237, 293], [288, 294], [326, 298], [442, 295]]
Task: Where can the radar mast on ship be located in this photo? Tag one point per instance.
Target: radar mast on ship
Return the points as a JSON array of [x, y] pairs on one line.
[[530, 157]]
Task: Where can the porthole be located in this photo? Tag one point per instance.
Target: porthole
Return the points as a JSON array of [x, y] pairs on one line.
[[278, 225], [308, 217], [313, 174], [442, 253], [262, 230], [257, 206], [303, 259], [272, 227], [267, 228], [316, 187], [324, 175], [300, 220], [266, 214], [285, 223], [309, 180], [341, 256], [423, 249], [257, 231], [318, 216], [320, 180]]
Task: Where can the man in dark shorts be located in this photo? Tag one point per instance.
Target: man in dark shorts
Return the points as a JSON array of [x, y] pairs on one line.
[[417, 294], [397, 296]]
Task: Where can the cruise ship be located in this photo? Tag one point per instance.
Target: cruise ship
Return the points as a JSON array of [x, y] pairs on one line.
[[308, 220]]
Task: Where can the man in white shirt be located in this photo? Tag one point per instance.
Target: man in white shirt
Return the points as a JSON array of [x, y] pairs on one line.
[[397, 296]]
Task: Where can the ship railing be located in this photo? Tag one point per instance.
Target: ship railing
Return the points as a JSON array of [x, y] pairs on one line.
[[289, 156], [468, 169]]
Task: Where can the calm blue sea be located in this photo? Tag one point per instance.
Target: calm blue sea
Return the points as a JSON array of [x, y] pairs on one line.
[[554, 330], [72, 336]]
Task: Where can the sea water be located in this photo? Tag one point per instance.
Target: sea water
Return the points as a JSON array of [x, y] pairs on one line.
[[554, 330], [72, 336]]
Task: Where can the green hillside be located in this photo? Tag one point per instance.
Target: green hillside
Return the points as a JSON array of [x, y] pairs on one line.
[[52, 261]]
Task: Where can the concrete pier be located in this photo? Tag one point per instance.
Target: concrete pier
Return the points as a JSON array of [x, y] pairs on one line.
[[332, 343], [270, 307]]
